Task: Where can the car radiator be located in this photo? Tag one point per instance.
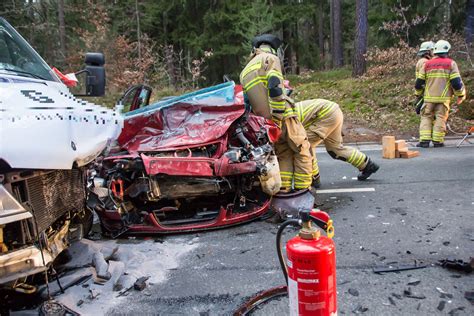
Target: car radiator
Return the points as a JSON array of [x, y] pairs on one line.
[[53, 194]]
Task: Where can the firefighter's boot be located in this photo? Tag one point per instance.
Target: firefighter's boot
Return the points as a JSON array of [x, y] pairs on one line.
[[438, 144], [423, 144], [371, 167]]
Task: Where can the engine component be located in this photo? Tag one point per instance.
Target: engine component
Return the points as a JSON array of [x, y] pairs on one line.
[[234, 155], [142, 186], [239, 133], [174, 188]]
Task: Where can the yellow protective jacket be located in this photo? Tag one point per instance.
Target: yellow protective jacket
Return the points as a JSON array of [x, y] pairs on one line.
[[309, 112], [419, 65], [270, 103], [439, 80]]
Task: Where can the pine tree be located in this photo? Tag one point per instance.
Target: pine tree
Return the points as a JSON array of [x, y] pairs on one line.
[[360, 42]]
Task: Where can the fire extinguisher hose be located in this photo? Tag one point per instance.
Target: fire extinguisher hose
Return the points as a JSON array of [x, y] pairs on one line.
[[284, 269], [259, 299], [278, 291]]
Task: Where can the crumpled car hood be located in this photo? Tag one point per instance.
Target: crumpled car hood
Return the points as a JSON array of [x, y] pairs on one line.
[[190, 120]]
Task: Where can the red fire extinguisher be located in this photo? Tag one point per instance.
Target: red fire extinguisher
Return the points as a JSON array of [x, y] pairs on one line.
[[310, 266]]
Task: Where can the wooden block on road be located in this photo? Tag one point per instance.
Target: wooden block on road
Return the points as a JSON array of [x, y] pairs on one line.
[[409, 154], [413, 153], [399, 151], [400, 144], [388, 147]]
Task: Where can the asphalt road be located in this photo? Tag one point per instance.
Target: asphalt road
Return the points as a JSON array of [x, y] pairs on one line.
[[422, 209]]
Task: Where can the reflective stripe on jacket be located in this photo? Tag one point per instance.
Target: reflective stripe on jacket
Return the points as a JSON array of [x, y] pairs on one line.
[[309, 112], [258, 71], [438, 75], [419, 65]]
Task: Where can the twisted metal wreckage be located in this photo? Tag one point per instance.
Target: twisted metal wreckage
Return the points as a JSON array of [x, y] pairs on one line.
[[187, 163], [194, 162]]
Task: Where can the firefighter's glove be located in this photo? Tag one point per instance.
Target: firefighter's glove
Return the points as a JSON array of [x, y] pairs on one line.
[[419, 105], [288, 88]]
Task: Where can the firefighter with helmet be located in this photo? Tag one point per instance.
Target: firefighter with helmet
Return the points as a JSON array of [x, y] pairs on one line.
[[438, 81], [323, 121], [262, 81], [426, 53]]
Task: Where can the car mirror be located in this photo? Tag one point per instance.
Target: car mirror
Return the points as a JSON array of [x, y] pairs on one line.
[[95, 76], [95, 80]]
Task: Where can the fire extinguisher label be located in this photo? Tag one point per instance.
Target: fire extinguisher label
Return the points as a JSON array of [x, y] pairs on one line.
[[315, 281], [293, 296], [289, 263]]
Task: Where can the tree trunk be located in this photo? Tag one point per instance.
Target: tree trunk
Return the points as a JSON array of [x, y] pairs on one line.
[[321, 33], [62, 30], [288, 59], [43, 17], [138, 31], [30, 15], [338, 58], [169, 58], [360, 42], [331, 31], [469, 21], [447, 12], [296, 67]]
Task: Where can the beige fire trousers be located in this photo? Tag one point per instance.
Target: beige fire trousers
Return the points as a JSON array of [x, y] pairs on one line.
[[433, 122], [294, 155], [329, 131]]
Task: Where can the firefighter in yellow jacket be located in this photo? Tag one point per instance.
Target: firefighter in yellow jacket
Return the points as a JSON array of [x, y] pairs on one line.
[[262, 81], [323, 121], [438, 81], [426, 53]]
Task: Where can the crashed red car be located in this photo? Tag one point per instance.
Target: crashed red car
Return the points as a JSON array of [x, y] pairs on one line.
[[186, 163]]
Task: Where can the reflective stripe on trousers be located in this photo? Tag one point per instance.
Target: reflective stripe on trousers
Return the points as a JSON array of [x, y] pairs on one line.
[[357, 158], [425, 135], [315, 166]]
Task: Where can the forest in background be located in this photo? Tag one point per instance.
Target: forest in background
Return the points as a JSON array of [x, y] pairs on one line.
[[186, 44]]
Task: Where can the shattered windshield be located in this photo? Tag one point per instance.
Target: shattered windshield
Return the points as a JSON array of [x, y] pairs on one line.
[[218, 95], [18, 57]]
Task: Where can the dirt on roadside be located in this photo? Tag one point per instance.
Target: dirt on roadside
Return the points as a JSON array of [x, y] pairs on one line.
[[355, 132]]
